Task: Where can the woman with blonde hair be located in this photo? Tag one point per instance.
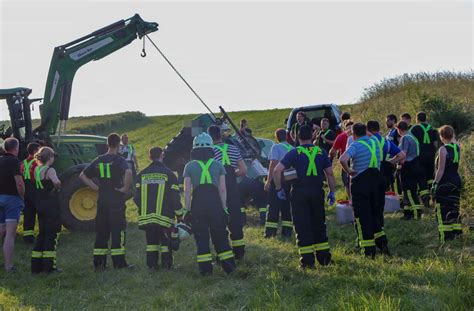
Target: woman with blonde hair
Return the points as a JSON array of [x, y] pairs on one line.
[[43, 257], [447, 186]]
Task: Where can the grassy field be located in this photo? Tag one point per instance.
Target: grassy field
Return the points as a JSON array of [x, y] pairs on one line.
[[421, 274]]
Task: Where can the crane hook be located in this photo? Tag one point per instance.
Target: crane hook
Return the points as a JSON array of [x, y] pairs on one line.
[[143, 54]]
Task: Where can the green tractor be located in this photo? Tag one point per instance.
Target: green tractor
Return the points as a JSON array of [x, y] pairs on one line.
[[78, 203]]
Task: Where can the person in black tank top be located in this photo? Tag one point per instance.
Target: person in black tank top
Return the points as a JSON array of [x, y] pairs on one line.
[[447, 186], [47, 184], [114, 178]]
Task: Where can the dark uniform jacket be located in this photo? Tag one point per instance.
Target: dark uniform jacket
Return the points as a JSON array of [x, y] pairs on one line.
[[157, 196]]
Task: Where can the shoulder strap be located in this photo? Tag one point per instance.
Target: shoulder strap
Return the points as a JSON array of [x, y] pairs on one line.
[[312, 169], [205, 173], [374, 162], [38, 170], [287, 146], [104, 170], [426, 133], [225, 156], [456, 152], [416, 142], [27, 166]]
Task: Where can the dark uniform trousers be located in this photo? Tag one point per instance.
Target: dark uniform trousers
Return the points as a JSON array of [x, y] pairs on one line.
[[277, 207], [426, 168], [236, 217], [368, 199], [110, 223], [387, 170], [309, 218], [158, 240], [209, 221], [410, 176], [447, 209], [43, 258], [29, 212]]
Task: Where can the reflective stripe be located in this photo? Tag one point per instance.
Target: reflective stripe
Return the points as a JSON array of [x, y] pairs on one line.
[[426, 136], [164, 249], [416, 142], [236, 243], [321, 246], [205, 174], [312, 170], [457, 227], [374, 162], [144, 198], [286, 223], [175, 187], [287, 146], [424, 192], [306, 250], [242, 209], [49, 254], [225, 255], [104, 169], [117, 251], [27, 166], [270, 224], [262, 209], [159, 199], [28, 233], [35, 254], [225, 156], [456, 152], [38, 170], [366, 243], [430, 181], [152, 248], [414, 207], [181, 211], [363, 243], [204, 257], [100, 251], [379, 234]]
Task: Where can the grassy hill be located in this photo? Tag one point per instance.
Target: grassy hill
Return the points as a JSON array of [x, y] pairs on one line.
[[421, 274]]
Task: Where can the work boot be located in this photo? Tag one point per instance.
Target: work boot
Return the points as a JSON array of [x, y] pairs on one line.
[[323, 257]]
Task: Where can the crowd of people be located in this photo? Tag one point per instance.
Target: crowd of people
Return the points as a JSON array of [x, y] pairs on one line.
[[300, 179]]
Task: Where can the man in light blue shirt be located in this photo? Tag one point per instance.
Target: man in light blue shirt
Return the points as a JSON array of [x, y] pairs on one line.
[[367, 189]]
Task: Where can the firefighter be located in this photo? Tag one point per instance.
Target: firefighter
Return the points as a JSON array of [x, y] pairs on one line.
[[447, 186], [307, 197], [114, 179], [295, 128], [406, 117], [29, 212], [427, 138], [158, 201], [409, 172], [326, 136], [277, 206], [339, 147], [205, 198], [229, 156], [392, 135], [367, 190], [43, 256]]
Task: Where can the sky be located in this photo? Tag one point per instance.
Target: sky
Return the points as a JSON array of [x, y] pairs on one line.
[[241, 55]]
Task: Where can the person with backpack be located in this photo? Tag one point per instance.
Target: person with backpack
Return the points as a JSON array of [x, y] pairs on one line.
[[114, 178], [447, 186], [47, 184], [205, 199]]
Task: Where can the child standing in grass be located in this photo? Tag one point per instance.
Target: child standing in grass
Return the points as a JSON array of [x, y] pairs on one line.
[[205, 197]]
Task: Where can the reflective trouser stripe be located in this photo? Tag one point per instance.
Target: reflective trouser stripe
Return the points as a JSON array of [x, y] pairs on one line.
[[457, 227], [321, 246], [242, 209], [286, 223], [204, 257], [49, 254], [379, 234], [152, 248], [430, 181], [28, 233], [100, 251], [414, 207], [366, 243], [306, 250], [363, 243], [236, 243], [35, 254], [262, 209], [117, 251], [174, 235], [164, 249], [424, 192], [270, 224], [225, 255]]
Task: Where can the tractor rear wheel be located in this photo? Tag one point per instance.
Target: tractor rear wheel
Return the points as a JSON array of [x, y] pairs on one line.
[[78, 204]]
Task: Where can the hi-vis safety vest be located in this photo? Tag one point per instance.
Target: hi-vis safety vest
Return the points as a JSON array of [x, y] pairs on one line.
[[312, 170], [225, 155], [38, 170], [27, 166], [205, 173], [374, 161]]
